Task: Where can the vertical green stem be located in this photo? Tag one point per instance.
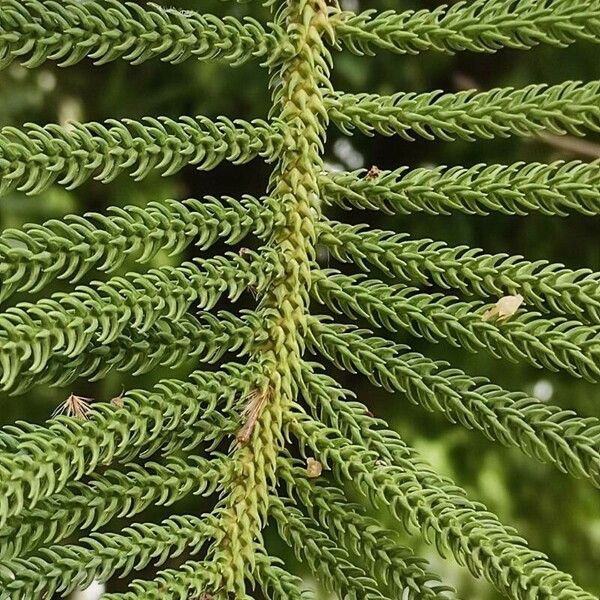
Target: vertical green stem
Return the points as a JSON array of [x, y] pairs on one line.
[[298, 89]]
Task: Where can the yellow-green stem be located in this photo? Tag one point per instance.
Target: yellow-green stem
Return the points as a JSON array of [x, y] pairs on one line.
[[298, 88]]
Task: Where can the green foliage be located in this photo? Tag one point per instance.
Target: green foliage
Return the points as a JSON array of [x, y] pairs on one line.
[[479, 26], [36, 254], [550, 287], [555, 189], [275, 445], [70, 31], [34, 158], [570, 107]]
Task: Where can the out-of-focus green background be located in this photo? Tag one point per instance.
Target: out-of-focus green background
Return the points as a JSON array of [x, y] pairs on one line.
[[557, 514]]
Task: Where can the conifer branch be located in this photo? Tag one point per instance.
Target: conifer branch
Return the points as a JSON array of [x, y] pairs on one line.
[[67, 323], [53, 481], [115, 494], [33, 158], [478, 26], [545, 432], [422, 500], [34, 255], [276, 582], [168, 344], [33, 32], [45, 460], [551, 343], [570, 107], [550, 287], [330, 562], [557, 188], [61, 569], [388, 561], [190, 580]]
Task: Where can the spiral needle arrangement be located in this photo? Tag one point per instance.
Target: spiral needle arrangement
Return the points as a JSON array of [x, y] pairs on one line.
[[243, 432]]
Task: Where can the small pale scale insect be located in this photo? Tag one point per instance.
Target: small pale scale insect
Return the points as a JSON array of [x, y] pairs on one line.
[[74, 406], [505, 308], [313, 467]]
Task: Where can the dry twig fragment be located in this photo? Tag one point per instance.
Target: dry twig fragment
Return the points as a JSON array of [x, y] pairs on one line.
[[253, 410], [313, 468], [74, 406], [505, 308]]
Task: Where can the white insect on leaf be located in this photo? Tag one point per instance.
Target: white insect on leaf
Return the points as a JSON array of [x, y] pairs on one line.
[[313, 467], [74, 406], [505, 308]]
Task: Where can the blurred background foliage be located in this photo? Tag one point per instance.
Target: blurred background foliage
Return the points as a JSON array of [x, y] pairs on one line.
[[557, 514]]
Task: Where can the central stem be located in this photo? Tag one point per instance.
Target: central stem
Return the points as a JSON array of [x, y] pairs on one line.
[[298, 93]]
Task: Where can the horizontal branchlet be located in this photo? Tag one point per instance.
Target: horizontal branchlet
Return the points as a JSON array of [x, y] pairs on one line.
[[34, 157], [166, 343], [114, 494], [553, 343], [388, 561], [191, 580], [571, 107], [34, 255], [555, 189], [68, 322], [46, 459], [550, 287], [478, 26], [276, 582], [62, 569], [422, 500], [545, 432], [33, 32], [324, 558]]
